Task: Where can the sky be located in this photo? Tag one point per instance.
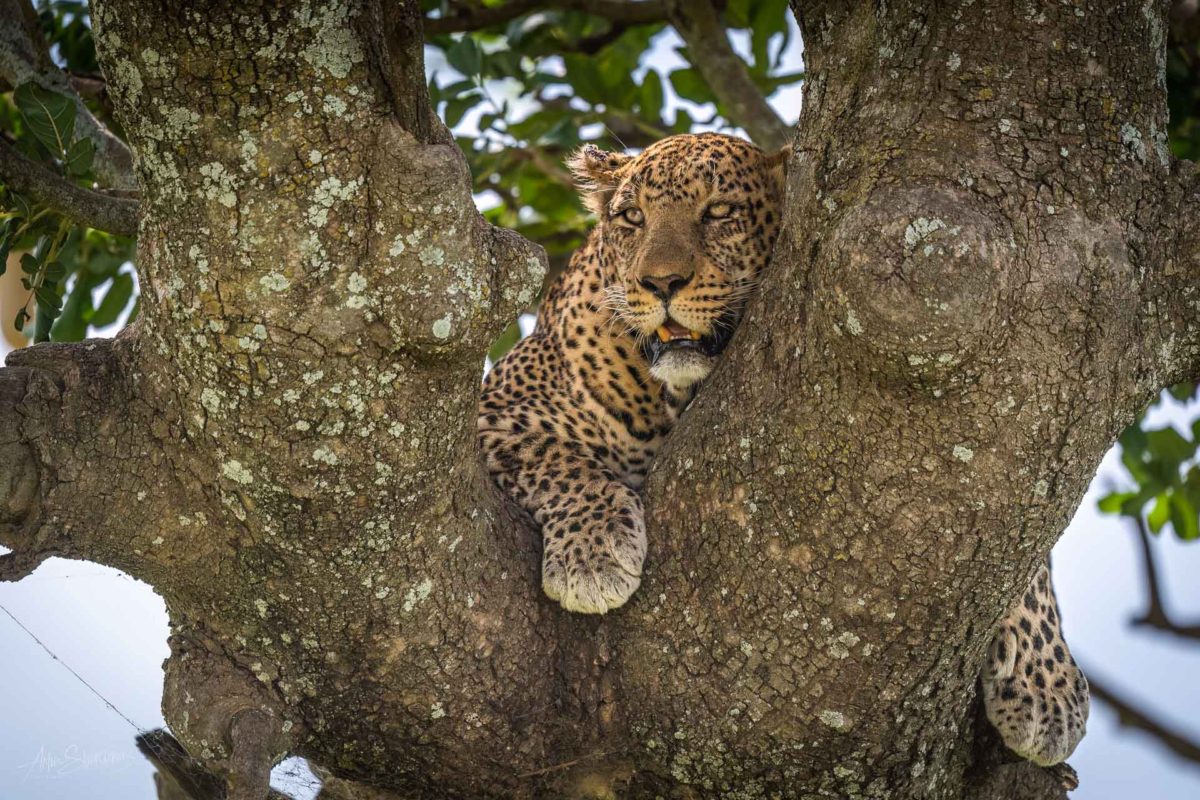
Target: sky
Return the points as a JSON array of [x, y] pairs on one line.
[[60, 738]]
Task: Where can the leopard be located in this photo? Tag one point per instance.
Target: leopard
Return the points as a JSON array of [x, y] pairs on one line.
[[571, 418]]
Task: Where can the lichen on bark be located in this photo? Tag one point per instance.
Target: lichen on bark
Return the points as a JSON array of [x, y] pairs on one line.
[[981, 281]]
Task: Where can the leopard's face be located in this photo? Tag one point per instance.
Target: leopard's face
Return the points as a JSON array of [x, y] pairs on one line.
[[687, 227]]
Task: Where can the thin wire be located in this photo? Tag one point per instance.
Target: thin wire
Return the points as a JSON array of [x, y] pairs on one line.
[[67, 666], [293, 772], [142, 732]]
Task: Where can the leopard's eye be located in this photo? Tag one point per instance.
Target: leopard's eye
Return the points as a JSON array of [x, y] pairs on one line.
[[633, 215], [719, 210]]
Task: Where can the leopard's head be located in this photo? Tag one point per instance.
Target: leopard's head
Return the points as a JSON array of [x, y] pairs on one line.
[[686, 227]]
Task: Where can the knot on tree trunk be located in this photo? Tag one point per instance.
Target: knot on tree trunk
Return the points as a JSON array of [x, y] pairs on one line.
[[918, 282], [46, 396]]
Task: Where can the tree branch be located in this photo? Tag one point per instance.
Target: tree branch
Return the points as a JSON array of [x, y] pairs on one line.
[[179, 775], [25, 57], [1131, 717], [1156, 615], [64, 409], [400, 63], [469, 17], [95, 210], [726, 74]]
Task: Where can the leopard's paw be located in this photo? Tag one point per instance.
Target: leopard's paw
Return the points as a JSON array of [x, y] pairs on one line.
[[596, 568], [1036, 697]]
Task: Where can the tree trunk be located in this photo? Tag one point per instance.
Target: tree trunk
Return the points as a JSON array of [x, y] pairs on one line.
[[984, 275]]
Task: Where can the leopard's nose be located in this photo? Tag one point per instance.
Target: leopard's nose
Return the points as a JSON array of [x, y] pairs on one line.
[[664, 287]]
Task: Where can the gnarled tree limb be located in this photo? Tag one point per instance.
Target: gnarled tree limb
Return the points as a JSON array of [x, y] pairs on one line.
[[947, 342], [79, 468], [726, 74], [1130, 716], [84, 206]]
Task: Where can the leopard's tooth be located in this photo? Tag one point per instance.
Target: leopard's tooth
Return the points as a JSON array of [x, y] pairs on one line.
[[695, 335], [664, 335]]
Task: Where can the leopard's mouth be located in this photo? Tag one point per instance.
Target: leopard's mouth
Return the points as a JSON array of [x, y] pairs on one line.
[[672, 331], [671, 336]]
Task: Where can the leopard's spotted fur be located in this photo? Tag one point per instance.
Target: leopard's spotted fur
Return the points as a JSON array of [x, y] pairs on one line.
[[571, 419]]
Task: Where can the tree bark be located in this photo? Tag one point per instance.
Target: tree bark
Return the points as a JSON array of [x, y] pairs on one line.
[[984, 276]]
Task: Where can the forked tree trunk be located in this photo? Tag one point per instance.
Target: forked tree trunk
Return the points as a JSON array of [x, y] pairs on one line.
[[987, 270]]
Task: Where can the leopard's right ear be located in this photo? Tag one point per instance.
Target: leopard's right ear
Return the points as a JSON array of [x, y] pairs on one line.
[[777, 166], [596, 172]]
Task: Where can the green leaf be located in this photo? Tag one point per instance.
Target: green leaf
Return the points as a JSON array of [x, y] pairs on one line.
[[20, 204], [49, 115], [114, 302], [53, 273], [1168, 445], [1133, 440], [584, 78], [1112, 503], [1143, 467], [1184, 518], [452, 90], [457, 108], [769, 19], [1182, 391], [6, 237], [737, 13], [690, 86], [21, 320], [79, 158], [29, 264], [1134, 505], [564, 135], [1161, 512], [650, 97], [48, 299], [466, 57], [70, 325]]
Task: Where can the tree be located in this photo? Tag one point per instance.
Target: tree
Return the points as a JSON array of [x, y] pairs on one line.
[[987, 272]]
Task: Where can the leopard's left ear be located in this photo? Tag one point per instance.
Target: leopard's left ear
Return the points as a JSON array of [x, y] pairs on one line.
[[595, 171], [777, 166]]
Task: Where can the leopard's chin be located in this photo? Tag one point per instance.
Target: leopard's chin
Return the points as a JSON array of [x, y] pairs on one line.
[[681, 368]]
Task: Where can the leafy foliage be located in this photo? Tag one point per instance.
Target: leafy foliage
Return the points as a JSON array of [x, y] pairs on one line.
[[62, 264], [1161, 463], [520, 96]]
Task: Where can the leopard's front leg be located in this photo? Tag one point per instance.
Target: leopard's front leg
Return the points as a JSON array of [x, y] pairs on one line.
[[592, 523]]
